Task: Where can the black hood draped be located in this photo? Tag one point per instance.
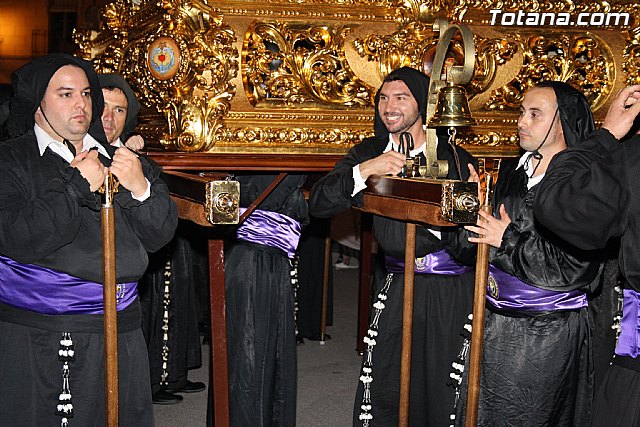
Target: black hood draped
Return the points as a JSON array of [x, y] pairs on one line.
[[574, 111], [418, 84], [133, 108], [30, 83]]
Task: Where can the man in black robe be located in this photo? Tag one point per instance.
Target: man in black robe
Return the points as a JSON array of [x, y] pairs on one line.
[[588, 198], [261, 342], [167, 290], [51, 305], [170, 315], [442, 301], [537, 366], [120, 114]]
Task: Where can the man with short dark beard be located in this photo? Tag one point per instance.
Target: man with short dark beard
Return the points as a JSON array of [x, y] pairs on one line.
[[443, 292]]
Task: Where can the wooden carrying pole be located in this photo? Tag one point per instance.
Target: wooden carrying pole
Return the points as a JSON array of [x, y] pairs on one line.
[[477, 325], [110, 319], [407, 324]]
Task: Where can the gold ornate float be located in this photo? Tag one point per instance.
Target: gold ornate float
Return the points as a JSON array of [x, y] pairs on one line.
[[299, 76]]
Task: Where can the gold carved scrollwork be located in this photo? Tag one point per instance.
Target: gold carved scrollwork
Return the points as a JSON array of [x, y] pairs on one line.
[[582, 60], [410, 46], [490, 55], [195, 97], [300, 64], [408, 11], [631, 63], [309, 68], [113, 37], [415, 45], [292, 138], [491, 139]]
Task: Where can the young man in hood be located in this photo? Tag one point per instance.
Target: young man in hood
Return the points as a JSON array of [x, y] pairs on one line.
[[442, 297]]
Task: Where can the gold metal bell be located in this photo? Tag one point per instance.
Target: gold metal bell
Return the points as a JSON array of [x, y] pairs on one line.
[[452, 108]]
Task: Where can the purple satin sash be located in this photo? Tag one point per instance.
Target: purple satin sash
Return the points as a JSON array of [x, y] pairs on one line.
[[39, 289], [270, 229], [507, 292], [439, 262], [628, 341]]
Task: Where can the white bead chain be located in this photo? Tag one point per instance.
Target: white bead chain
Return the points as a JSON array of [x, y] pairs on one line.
[[366, 376]]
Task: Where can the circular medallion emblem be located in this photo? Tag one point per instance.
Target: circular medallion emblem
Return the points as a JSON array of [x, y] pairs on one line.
[[493, 287], [422, 263], [163, 58]]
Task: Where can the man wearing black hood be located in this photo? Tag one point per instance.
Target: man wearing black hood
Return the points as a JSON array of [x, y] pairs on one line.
[[442, 298], [588, 198], [51, 304], [167, 293], [537, 366], [120, 114]]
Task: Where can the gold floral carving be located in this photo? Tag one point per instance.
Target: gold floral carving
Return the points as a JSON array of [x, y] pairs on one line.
[[195, 99], [631, 63], [409, 46], [300, 65], [299, 75], [290, 139], [581, 60], [491, 54]]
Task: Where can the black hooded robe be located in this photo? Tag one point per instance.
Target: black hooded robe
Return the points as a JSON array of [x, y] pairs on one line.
[[261, 342], [183, 336], [442, 303], [537, 367], [50, 218], [588, 197]]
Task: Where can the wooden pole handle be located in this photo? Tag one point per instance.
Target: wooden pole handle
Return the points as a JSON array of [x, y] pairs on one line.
[[407, 325], [477, 325], [110, 317]]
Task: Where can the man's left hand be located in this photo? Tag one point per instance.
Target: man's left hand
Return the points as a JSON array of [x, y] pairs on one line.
[[489, 229], [127, 168]]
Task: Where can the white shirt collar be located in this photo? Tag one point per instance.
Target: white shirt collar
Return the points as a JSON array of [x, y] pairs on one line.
[[117, 143], [395, 147], [45, 141], [525, 162]]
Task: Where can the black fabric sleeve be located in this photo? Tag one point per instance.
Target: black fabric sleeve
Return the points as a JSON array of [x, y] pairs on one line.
[[35, 223], [155, 219], [332, 193], [585, 197], [543, 261]]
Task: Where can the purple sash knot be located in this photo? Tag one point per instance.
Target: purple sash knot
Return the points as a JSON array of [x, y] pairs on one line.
[[35, 288], [439, 262], [270, 229], [507, 292], [628, 341]]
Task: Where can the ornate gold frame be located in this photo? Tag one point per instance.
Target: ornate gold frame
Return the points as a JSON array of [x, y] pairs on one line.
[[299, 76]]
